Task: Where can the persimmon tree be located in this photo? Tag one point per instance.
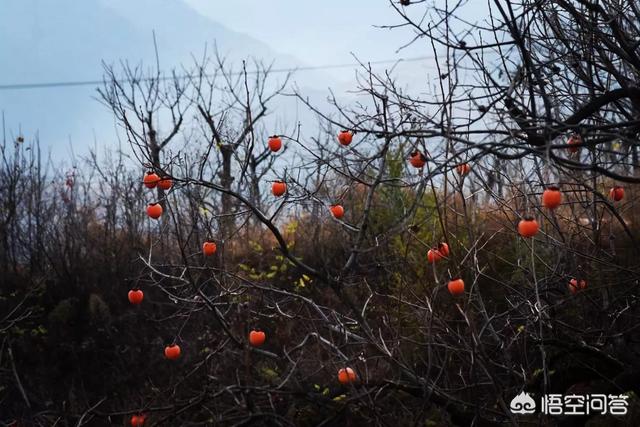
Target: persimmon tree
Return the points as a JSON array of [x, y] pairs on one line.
[[423, 260], [524, 100]]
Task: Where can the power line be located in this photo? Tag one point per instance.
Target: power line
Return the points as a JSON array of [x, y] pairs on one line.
[[23, 86]]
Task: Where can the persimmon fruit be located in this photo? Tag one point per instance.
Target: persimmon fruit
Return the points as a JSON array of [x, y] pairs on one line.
[[417, 159], [346, 376], [150, 179], [456, 287], [135, 296], [257, 338], [137, 420], [551, 197], [433, 255], [172, 352], [463, 169], [576, 285], [278, 188], [165, 183], [443, 248], [345, 137], [337, 211], [209, 248], [154, 210], [574, 142], [616, 193], [528, 227], [275, 143]]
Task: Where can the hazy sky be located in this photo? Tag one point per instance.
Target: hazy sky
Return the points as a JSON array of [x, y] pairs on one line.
[[66, 40], [317, 33]]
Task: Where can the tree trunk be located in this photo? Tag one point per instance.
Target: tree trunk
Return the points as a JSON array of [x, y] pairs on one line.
[[255, 186], [226, 221]]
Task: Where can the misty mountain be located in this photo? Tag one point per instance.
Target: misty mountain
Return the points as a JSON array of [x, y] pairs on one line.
[[67, 40]]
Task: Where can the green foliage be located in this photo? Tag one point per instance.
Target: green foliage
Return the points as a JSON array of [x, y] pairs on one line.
[[40, 330]]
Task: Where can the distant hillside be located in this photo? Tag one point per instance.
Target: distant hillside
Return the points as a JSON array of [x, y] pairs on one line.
[[44, 41]]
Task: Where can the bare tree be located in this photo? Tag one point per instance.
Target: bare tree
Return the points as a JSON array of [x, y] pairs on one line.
[[442, 286]]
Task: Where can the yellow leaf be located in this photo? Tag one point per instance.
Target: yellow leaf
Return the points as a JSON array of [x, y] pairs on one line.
[[256, 246], [292, 226], [269, 373]]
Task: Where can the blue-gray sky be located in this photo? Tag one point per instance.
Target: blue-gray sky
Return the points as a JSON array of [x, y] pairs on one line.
[[66, 40], [316, 33]]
